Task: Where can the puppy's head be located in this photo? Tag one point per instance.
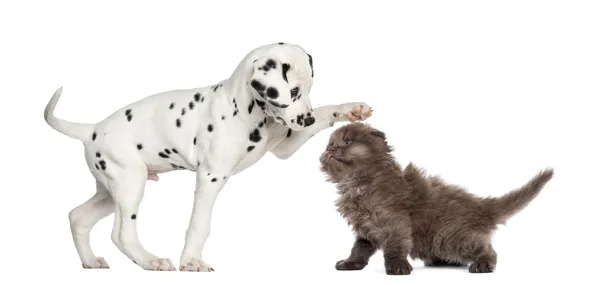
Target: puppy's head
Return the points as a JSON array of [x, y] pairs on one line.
[[280, 83]]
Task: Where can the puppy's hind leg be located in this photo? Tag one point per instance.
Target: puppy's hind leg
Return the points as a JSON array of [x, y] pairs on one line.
[[83, 218], [128, 191]]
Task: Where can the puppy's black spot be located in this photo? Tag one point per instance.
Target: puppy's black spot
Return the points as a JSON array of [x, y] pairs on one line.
[[202, 99], [97, 166], [261, 124], [235, 113], [224, 177], [250, 148], [98, 154], [175, 166], [167, 151], [284, 69], [178, 123], [197, 163], [197, 97], [172, 106], [139, 146], [208, 174], [310, 61], [282, 106], [174, 150], [309, 114], [272, 93], [210, 127], [194, 140], [217, 87], [335, 114], [255, 136], [191, 105], [213, 180], [183, 111], [102, 164], [270, 64], [260, 104], [128, 114], [265, 120], [289, 133], [133, 217], [222, 117], [280, 43], [250, 107], [259, 87], [300, 119], [94, 136], [161, 154]]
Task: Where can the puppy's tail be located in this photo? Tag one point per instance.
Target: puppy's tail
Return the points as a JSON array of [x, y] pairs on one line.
[[503, 207], [73, 130]]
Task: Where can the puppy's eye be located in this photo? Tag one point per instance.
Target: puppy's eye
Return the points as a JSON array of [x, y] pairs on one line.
[[347, 142], [295, 92]]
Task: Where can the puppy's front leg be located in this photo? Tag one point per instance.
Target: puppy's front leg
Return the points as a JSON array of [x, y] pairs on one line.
[[325, 117], [208, 186]]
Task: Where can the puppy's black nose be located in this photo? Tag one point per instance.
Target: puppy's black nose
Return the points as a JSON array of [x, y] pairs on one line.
[[309, 121]]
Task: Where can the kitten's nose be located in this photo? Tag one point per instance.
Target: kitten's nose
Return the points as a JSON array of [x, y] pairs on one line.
[[309, 121]]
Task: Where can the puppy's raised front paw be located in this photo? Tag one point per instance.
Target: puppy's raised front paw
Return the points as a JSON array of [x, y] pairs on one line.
[[350, 265], [356, 111], [98, 263], [195, 266]]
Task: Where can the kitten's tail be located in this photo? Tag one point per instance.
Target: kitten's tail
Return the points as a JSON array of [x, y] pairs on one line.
[[502, 208]]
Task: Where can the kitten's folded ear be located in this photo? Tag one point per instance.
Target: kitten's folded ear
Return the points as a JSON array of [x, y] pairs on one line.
[[378, 133]]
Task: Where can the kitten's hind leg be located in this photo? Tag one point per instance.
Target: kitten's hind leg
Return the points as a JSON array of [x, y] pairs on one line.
[[483, 256]]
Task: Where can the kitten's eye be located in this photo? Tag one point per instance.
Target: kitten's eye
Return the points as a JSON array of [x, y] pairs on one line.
[[347, 142]]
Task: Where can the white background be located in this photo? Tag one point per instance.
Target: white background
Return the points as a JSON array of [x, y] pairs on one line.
[[485, 93]]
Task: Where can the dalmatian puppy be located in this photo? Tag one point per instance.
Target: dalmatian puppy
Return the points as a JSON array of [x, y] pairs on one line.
[[215, 131]]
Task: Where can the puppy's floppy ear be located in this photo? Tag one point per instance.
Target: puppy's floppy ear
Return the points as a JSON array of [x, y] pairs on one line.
[[378, 133]]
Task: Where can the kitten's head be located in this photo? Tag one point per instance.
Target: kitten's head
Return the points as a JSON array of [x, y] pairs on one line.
[[354, 148]]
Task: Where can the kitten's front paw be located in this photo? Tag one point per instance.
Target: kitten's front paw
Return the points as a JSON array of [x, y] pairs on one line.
[[355, 111], [481, 266], [398, 268], [350, 265]]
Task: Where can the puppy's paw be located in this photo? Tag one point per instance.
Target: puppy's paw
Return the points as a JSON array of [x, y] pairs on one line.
[[482, 266], [98, 263], [398, 268], [355, 111], [161, 264], [195, 266], [350, 265]]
